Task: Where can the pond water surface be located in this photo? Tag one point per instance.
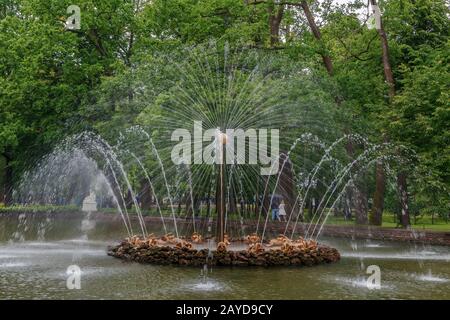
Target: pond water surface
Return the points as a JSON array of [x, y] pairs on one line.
[[35, 268]]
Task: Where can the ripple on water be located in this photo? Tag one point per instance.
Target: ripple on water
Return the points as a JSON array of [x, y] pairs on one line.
[[430, 278], [7, 256], [42, 244], [358, 282], [13, 265], [374, 245], [208, 285], [84, 242], [39, 251], [428, 255]]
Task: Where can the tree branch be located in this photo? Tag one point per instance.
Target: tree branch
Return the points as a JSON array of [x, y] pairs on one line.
[[357, 56]]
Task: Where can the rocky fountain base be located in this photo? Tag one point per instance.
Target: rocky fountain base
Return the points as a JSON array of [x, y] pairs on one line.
[[278, 252]]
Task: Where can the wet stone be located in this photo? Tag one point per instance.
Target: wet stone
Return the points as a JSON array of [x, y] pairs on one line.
[[164, 255]]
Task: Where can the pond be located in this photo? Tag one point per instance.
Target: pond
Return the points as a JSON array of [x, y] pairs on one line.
[[36, 269]]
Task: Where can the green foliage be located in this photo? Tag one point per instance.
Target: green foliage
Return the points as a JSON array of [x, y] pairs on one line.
[[119, 70], [418, 28], [421, 120], [196, 21]]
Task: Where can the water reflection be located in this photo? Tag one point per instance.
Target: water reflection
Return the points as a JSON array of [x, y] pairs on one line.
[[37, 270]]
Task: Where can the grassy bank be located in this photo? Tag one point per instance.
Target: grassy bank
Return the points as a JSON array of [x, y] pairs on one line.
[[38, 208], [425, 222], [389, 221]]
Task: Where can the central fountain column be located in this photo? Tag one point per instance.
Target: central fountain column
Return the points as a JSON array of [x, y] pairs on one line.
[[220, 189]]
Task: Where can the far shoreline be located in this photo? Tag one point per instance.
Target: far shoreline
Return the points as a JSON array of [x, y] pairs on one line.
[[365, 232]]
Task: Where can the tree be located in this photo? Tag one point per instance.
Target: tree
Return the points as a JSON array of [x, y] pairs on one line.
[[420, 120], [46, 72], [376, 215], [428, 19]]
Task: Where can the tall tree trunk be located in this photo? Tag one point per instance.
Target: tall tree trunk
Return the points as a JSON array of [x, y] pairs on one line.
[[316, 32], [360, 199], [197, 205], [359, 193], [129, 200], [8, 180], [146, 196], [388, 75], [376, 217], [376, 214], [347, 204], [275, 18], [287, 186], [189, 206], [403, 195], [389, 78], [248, 209], [2, 178], [179, 207], [232, 201], [208, 204]]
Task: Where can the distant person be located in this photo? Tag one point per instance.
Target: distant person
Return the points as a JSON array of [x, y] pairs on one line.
[[138, 200], [282, 212], [275, 206]]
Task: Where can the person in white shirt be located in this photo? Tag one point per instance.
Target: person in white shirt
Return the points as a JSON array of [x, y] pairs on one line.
[[282, 212]]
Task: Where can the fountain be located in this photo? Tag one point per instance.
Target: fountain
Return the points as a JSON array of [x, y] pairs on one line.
[[223, 97], [173, 250]]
